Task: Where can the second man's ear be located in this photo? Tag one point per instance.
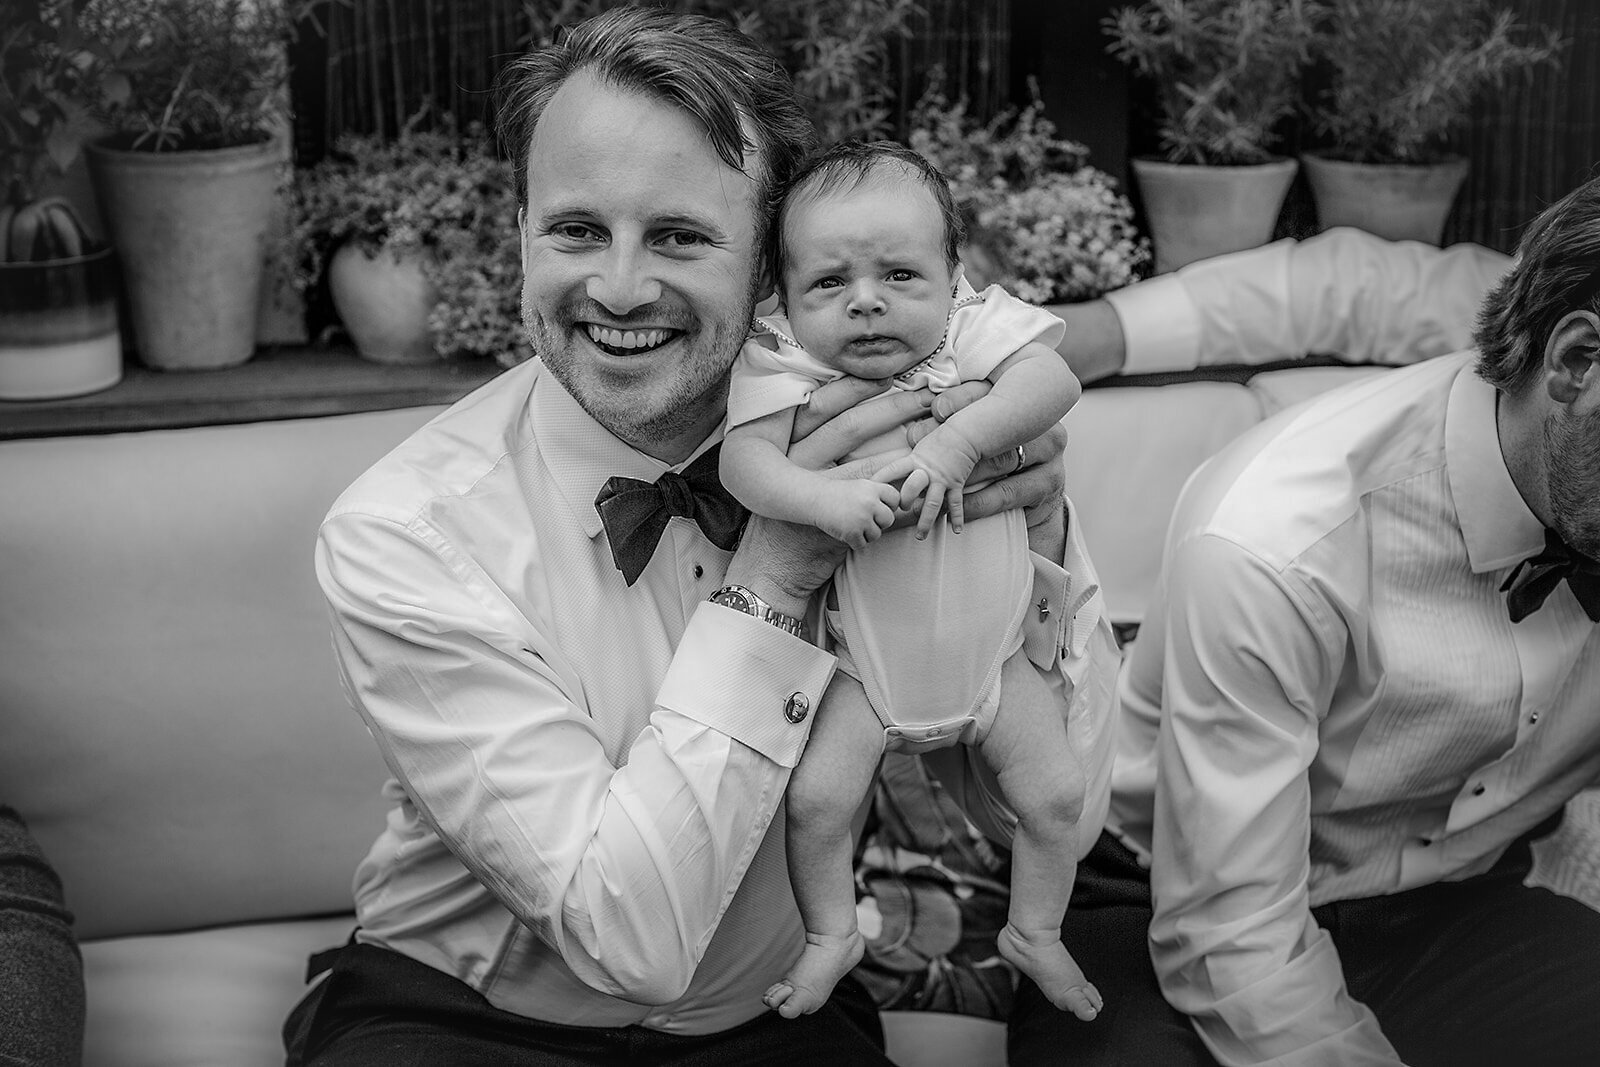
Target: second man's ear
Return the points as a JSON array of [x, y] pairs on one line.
[[1572, 357]]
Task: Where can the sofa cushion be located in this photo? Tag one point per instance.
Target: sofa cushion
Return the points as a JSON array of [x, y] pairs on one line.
[[200, 999], [173, 727], [1130, 451], [1279, 389]]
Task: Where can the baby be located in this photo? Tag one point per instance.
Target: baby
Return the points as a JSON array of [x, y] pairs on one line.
[[928, 621]]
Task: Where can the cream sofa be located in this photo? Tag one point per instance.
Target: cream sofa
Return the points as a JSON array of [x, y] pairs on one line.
[[172, 727]]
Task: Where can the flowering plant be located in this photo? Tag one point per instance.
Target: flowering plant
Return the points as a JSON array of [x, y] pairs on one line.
[[1040, 220], [439, 194]]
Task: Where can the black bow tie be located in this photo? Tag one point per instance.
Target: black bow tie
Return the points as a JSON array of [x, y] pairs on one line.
[[635, 513], [1536, 578]]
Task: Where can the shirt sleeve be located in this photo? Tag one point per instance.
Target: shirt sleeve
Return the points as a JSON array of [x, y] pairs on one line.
[[1251, 657], [624, 868], [988, 327], [1344, 292]]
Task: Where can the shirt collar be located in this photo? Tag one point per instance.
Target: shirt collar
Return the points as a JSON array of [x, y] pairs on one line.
[[1495, 521], [581, 454]]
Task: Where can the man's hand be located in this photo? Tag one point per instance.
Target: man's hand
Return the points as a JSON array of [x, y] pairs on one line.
[[1038, 486], [784, 563]]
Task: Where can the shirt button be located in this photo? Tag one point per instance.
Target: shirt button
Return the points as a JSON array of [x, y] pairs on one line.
[[1533, 717], [698, 570], [797, 707]]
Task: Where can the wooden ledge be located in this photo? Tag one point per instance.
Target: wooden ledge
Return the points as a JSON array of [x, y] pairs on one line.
[[277, 383]]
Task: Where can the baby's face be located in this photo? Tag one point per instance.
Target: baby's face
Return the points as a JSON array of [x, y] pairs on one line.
[[867, 290]]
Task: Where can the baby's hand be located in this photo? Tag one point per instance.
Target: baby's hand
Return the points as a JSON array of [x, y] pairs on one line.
[[936, 470], [857, 511]]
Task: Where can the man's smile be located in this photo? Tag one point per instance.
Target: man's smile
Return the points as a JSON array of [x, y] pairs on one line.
[[627, 342]]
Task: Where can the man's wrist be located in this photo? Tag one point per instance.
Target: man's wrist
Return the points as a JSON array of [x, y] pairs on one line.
[[741, 598]]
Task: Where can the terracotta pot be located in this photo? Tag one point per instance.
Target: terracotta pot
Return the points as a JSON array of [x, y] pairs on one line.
[[58, 327], [1196, 212], [383, 301], [191, 231], [1400, 201]]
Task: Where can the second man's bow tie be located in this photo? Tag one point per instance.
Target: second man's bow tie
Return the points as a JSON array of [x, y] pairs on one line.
[[1535, 578], [635, 513]]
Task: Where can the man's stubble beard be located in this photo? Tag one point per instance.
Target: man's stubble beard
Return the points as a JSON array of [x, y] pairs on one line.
[[1572, 477], [706, 383]]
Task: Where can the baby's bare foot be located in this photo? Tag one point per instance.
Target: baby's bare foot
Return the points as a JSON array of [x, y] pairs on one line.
[[824, 960], [1045, 959]]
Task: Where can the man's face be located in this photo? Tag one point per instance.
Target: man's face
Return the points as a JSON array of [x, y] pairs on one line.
[[639, 260]]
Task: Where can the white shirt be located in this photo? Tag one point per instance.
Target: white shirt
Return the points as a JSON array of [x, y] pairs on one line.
[[584, 772], [1328, 700]]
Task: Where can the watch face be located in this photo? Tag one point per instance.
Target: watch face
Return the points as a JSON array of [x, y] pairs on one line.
[[734, 599]]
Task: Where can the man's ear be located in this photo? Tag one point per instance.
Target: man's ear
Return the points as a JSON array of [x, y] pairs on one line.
[[1572, 358], [767, 302]]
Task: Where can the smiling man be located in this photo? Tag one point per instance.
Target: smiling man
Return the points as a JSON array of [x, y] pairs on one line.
[[589, 688]]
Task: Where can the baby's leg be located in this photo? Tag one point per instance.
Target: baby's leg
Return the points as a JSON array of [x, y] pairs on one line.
[[825, 791], [1027, 749]]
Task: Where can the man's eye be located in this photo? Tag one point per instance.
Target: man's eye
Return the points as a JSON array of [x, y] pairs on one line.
[[684, 239], [574, 231]]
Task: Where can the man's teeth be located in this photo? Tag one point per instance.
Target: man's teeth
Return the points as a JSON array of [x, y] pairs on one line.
[[627, 339]]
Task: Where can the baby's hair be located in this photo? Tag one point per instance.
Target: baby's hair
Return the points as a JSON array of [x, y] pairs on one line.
[[846, 166]]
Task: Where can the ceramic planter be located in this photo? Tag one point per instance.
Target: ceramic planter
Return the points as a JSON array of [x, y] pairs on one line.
[[1196, 212], [1399, 201], [191, 230], [58, 327], [383, 301]]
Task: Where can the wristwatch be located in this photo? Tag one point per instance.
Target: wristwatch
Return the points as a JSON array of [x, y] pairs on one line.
[[739, 598]]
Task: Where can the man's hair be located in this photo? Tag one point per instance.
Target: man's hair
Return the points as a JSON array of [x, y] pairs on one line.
[[1557, 271], [702, 66], [849, 164]]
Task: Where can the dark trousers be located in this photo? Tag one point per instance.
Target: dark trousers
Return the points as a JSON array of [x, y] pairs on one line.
[[1485, 971], [383, 1009]]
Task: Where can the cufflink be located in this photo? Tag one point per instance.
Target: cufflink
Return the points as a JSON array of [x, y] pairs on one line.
[[797, 707]]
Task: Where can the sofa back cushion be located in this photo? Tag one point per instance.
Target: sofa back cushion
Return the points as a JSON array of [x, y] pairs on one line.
[[1129, 451], [171, 720]]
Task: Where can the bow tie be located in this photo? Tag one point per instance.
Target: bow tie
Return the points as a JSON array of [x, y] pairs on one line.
[[1536, 578], [635, 513]]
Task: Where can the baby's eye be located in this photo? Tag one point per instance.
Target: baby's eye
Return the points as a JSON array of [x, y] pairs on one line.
[[902, 275], [826, 283]]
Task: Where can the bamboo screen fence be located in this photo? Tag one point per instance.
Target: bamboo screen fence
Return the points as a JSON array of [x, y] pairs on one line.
[[381, 59]]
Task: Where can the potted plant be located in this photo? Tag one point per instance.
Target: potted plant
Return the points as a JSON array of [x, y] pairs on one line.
[[417, 239], [1226, 73], [58, 286], [188, 181], [1040, 220], [1402, 77]]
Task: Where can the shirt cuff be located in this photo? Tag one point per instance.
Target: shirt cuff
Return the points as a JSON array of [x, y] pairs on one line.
[[747, 679], [1160, 325]]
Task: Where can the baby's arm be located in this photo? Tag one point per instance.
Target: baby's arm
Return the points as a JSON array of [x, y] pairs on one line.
[[757, 470], [1033, 390]]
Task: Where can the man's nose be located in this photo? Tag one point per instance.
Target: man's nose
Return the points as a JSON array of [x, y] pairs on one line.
[[865, 300], [623, 280]]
